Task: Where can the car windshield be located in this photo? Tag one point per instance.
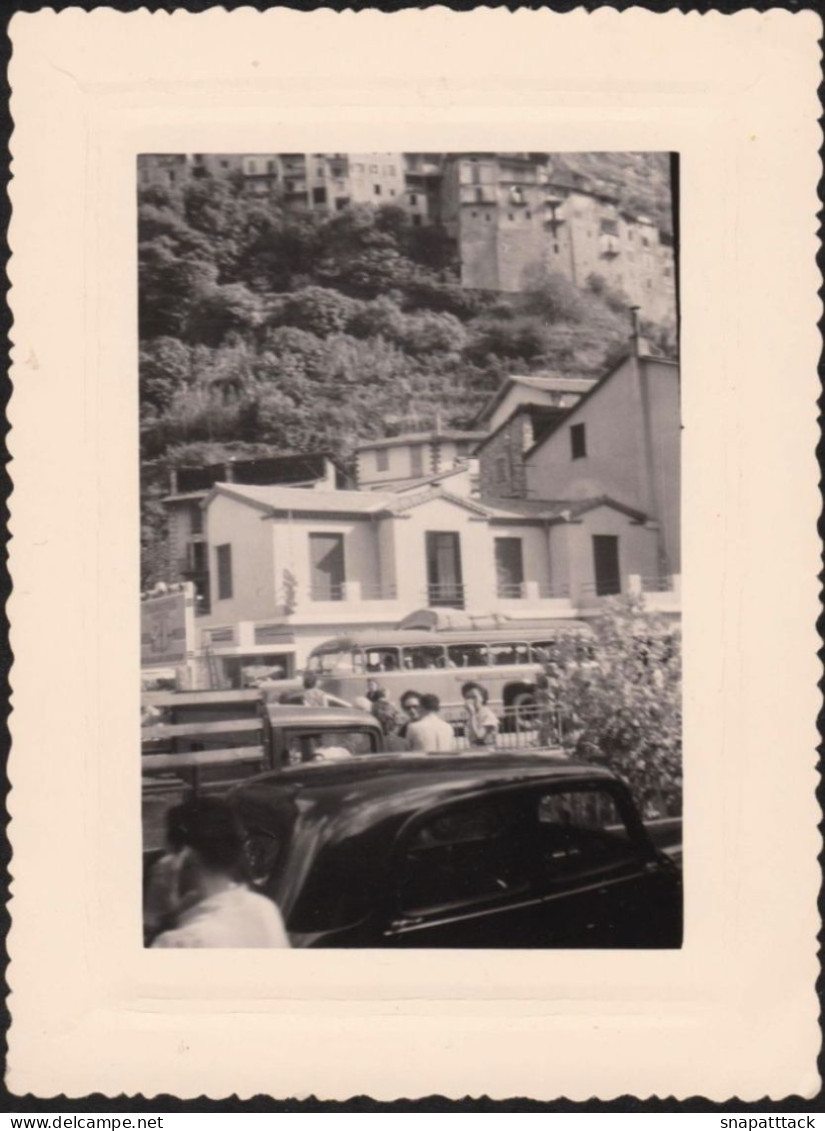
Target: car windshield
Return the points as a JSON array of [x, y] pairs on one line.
[[328, 744]]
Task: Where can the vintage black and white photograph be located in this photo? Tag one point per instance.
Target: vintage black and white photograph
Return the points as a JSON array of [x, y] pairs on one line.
[[410, 549]]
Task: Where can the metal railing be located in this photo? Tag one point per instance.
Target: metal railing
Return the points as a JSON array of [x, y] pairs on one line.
[[612, 588], [378, 592], [511, 590], [331, 592], [551, 590], [449, 594], [662, 584]]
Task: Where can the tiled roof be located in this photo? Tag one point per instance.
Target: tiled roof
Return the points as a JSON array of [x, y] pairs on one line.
[[298, 500], [419, 438], [309, 500], [546, 383], [556, 384], [404, 485]]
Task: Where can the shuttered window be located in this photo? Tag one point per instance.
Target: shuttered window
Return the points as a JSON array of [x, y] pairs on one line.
[[224, 561]]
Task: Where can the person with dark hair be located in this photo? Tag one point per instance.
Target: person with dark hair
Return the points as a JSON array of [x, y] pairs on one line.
[[390, 721], [481, 724], [375, 691], [197, 893], [411, 706], [313, 695], [431, 733]]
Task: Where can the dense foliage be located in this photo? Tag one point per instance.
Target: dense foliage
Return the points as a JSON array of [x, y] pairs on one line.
[[623, 708], [295, 331]]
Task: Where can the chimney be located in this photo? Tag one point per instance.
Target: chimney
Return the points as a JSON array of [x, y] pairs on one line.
[[638, 344]]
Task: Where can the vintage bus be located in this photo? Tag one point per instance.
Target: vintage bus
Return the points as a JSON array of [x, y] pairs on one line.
[[504, 659]]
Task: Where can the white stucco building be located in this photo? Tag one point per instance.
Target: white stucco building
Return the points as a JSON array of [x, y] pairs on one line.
[[290, 568]]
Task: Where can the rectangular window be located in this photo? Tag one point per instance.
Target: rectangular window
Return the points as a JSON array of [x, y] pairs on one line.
[[224, 561], [466, 854], [479, 195], [382, 460], [501, 470], [196, 519], [326, 559], [606, 564], [509, 567], [319, 195], [580, 831], [578, 441], [501, 654], [413, 198], [373, 168], [444, 578], [376, 189], [416, 461]]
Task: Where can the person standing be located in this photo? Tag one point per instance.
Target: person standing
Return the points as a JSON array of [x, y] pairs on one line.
[[197, 896], [411, 706], [313, 695], [481, 724], [431, 733], [390, 722]]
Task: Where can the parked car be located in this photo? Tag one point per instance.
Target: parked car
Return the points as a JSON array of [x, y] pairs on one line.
[[488, 850], [196, 754]]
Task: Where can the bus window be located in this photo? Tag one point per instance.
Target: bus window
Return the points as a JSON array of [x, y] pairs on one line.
[[509, 653], [467, 655], [423, 656], [325, 663], [382, 659], [359, 661]]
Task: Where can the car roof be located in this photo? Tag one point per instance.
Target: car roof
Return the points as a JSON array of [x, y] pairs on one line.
[[370, 789], [294, 714], [517, 632]]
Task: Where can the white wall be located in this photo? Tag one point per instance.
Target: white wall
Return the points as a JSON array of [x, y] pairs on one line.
[[614, 464], [662, 387], [253, 586], [637, 548], [291, 537]]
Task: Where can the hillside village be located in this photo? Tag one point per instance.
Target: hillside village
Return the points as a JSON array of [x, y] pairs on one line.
[[280, 320]]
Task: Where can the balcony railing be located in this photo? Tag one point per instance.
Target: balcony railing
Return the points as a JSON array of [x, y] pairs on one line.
[[610, 587], [450, 594], [551, 590], [334, 591], [657, 584], [511, 590], [378, 592]]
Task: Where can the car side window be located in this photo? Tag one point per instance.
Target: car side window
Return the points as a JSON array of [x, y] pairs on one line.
[[465, 854], [579, 830]]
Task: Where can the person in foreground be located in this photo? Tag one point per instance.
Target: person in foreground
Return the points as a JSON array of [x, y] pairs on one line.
[[197, 892], [430, 732]]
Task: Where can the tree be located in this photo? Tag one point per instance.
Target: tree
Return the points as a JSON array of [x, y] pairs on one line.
[[554, 298], [623, 706]]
